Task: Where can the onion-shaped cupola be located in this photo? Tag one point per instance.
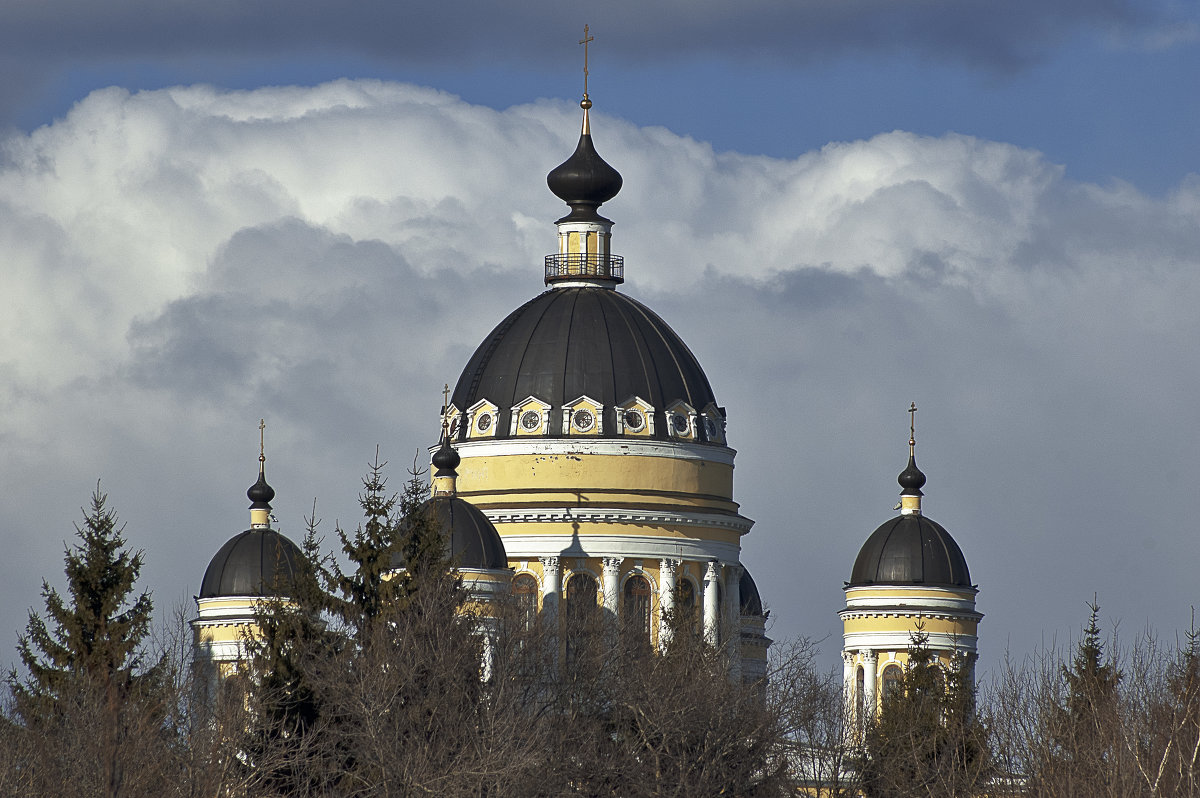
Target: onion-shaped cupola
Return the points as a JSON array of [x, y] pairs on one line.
[[584, 181], [911, 549], [259, 561]]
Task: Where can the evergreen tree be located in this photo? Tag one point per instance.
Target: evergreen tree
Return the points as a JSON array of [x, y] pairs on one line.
[[98, 634], [367, 590], [927, 739], [1085, 725], [89, 703], [290, 643]]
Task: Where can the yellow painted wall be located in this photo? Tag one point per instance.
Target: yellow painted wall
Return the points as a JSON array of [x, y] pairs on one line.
[[595, 478]]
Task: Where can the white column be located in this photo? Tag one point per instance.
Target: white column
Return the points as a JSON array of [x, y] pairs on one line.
[[712, 609], [848, 672], [849, 717], [870, 671], [666, 599], [612, 584], [551, 585]]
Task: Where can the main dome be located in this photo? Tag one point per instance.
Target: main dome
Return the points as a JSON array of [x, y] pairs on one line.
[[583, 341]]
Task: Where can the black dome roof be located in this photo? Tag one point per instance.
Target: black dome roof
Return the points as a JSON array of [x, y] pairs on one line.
[[258, 562], [584, 181], [472, 539], [751, 601], [568, 342], [911, 550]]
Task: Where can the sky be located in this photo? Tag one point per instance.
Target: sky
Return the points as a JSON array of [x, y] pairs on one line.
[[216, 213]]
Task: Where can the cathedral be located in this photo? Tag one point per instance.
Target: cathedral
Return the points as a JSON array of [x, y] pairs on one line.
[[583, 463]]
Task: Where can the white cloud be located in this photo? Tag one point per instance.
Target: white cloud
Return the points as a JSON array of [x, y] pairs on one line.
[[182, 262]]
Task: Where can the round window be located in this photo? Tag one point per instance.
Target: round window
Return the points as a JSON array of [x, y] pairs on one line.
[[710, 428], [484, 422], [634, 421], [531, 420], [679, 422], [583, 420]]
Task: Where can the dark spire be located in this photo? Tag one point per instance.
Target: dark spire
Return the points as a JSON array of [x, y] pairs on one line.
[[260, 493], [911, 479]]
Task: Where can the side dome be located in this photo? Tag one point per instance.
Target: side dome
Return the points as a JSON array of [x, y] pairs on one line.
[[751, 601], [258, 562], [471, 539], [911, 550], [572, 342]]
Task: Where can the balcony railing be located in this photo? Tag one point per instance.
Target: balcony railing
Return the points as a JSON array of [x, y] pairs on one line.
[[577, 264]]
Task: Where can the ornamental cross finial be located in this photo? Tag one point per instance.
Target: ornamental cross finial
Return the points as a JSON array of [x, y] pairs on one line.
[[262, 445], [585, 41], [912, 428], [445, 397]]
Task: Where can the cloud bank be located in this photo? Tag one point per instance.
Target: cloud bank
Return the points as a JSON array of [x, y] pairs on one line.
[[180, 263]]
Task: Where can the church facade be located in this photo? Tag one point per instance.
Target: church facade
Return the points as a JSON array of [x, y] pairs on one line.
[[587, 436], [583, 464]]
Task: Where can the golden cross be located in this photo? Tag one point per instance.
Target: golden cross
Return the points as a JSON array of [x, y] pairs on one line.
[[912, 426], [584, 41], [446, 398], [262, 446]]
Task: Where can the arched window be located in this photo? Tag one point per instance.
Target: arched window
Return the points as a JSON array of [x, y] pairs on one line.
[[860, 693], [635, 612], [582, 615], [685, 605], [581, 595], [893, 681], [525, 593]]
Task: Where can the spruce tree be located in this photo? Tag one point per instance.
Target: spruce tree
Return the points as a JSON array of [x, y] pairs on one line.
[[927, 739], [366, 591], [89, 703], [97, 633], [1084, 726]]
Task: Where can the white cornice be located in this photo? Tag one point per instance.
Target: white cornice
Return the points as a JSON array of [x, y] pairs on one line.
[[900, 602], [590, 546], [617, 515], [675, 450], [909, 612], [900, 641]]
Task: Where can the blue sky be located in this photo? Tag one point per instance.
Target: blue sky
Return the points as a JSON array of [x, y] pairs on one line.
[[842, 206], [1108, 88]]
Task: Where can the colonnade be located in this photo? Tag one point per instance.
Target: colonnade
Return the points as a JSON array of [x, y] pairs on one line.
[[668, 574]]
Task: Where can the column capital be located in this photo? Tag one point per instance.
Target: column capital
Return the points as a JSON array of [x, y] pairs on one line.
[[613, 563], [712, 571], [669, 564], [869, 655], [848, 657], [549, 562]]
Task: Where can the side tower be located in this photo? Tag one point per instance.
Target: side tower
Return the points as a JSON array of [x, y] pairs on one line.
[[909, 576], [590, 436], [472, 543], [251, 566]]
